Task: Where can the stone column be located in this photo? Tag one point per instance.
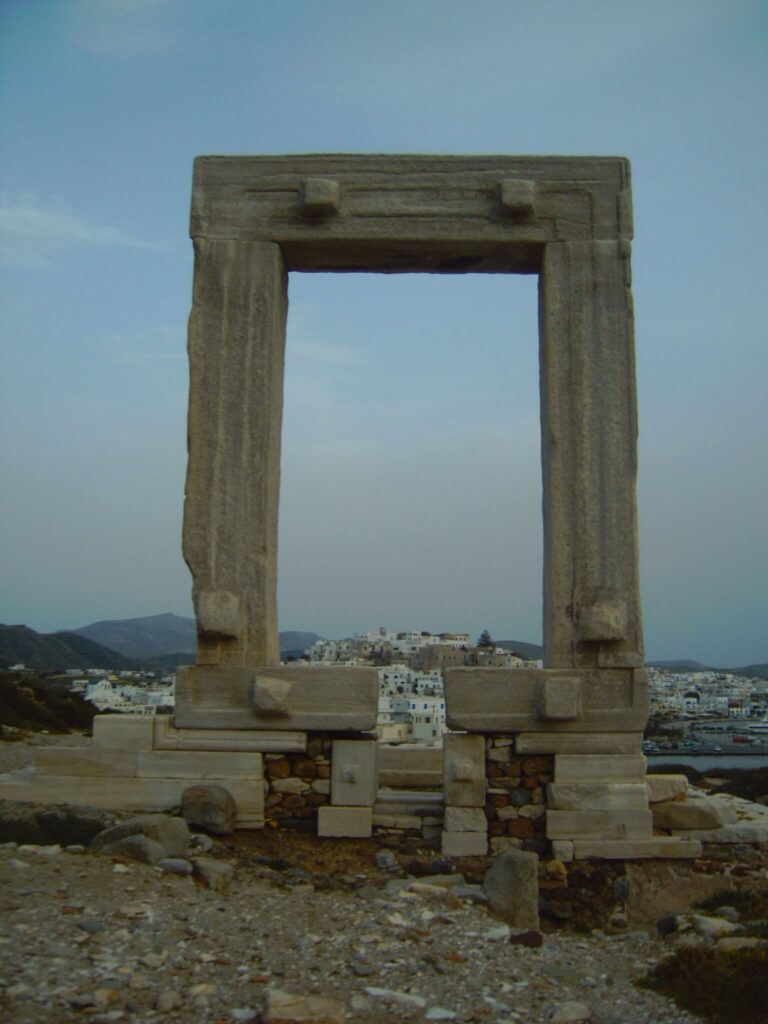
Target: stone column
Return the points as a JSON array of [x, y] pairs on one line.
[[236, 357], [589, 456]]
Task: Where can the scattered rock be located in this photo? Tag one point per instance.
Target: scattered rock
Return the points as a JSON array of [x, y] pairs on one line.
[[389, 995], [211, 807], [170, 834], [175, 865], [512, 886], [215, 874], [385, 860], [532, 939], [168, 1000], [288, 1008], [570, 1013]]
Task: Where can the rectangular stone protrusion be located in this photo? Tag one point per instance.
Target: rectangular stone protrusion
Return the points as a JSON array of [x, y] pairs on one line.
[[599, 825], [464, 771], [349, 822], [320, 196], [354, 773], [579, 743], [600, 768], [636, 849], [124, 732], [561, 698], [464, 844], [465, 819], [200, 764], [595, 796], [518, 197]]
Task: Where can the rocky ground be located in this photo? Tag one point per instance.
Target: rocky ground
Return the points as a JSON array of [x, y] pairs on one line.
[[102, 939]]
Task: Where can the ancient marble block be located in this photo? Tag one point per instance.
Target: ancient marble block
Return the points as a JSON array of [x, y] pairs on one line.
[[200, 764], [168, 737], [123, 732], [600, 768], [354, 773], [688, 814], [277, 698], [90, 761], [599, 825], [464, 771], [579, 743], [465, 819], [528, 699], [352, 822], [658, 847], [596, 796]]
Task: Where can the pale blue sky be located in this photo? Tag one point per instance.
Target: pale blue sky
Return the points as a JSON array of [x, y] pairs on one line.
[[411, 482]]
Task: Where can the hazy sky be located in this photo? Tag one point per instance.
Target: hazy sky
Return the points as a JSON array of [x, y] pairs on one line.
[[411, 479]]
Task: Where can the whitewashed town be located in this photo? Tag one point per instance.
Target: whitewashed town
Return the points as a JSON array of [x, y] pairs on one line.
[[410, 667]]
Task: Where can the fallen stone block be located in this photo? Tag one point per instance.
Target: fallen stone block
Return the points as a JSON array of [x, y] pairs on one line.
[[512, 887], [171, 834], [687, 814], [214, 874], [665, 787]]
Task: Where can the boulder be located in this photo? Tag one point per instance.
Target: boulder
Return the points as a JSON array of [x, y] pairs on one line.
[[512, 886], [687, 814], [210, 807], [167, 836]]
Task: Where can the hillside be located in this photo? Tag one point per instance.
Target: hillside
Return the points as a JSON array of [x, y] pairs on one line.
[[50, 652], [143, 637], [29, 703], [531, 652], [164, 641]]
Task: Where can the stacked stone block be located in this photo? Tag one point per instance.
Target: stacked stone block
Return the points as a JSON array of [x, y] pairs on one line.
[[515, 806], [298, 784], [465, 831], [354, 785]]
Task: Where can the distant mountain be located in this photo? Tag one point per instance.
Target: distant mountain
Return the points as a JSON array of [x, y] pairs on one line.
[[48, 652], [680, 666], [144, 637], [531, 652], [165, 641]]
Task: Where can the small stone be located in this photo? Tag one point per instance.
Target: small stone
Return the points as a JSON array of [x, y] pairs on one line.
[[153, 960], [288, 1008], [667, 925], [214, 874], [729, 913], [500, 934], [385, 860], [399, 998], [175, 865], [168, 1000], [243, 1013], [712, 927], [438, 1013], [74, 848], [120, 869], [139, 982], [570, 1013]]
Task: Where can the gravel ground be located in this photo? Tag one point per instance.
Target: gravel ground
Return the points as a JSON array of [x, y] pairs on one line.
[[84, 938]]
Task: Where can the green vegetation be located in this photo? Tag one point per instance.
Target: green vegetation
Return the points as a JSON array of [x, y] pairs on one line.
[[33, 704], [485, 640]]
